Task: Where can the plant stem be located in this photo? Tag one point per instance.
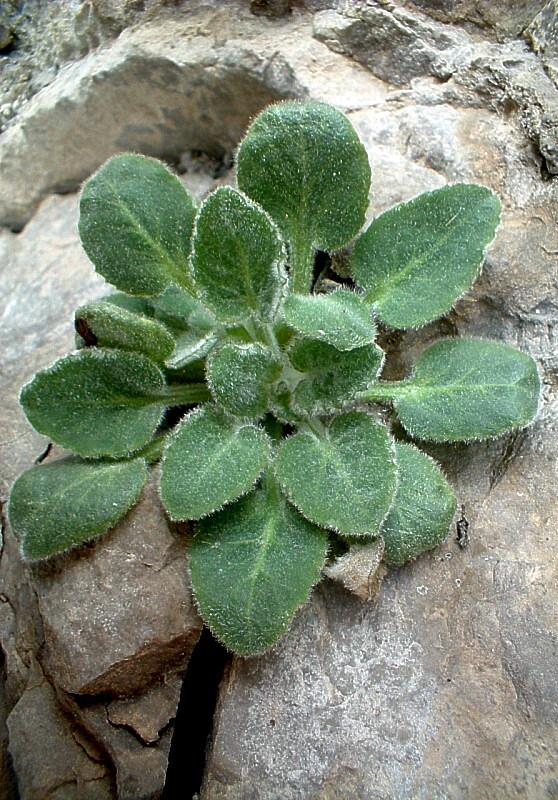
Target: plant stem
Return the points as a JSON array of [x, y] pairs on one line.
[[185, 394], [154, 450], [302, 266]]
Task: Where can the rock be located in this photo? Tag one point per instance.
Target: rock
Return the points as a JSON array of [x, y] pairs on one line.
[[502, 20], [48, 756], [118, 615], [393, 43], [542, 34]]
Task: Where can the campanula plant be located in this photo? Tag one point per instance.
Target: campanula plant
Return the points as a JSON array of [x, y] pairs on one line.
[[283, 449]]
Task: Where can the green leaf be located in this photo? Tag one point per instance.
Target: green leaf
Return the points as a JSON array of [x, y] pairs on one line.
[[468, 389], [253, 565], [209, 461], [331, 377], [60, 505], [136, 305], [422, 510], [304, 163], [342, 318], [238, 258], [135, 225], [416, 259], [97, 402], [190, 347], [181, 311], [345, 479], [239, 376], [113, 326]]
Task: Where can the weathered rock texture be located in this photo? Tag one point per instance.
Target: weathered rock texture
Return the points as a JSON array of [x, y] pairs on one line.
[[442, 688]]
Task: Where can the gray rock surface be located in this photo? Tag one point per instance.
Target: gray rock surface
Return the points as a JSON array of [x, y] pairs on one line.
[[443, 687]]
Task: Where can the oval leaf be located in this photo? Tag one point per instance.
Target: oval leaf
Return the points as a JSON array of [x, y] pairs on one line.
[[304, 163], [136, 223], [97, 402], [342, 318], [239, 376], [60, 505], [190, 347], [422, 510], [344, 480], [110, 325], [209, 461], [416, 259], [331, 378], [238, 258], [253, 564], [465, 389]]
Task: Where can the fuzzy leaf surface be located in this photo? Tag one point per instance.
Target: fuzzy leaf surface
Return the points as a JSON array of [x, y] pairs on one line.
[[238, 258], [191, 346], [304, 163], [344, 480], [422, 510], [60, 505], [136, 222], [113, 326], [342, 318], [253, 565], [416, 259], [331, 377], [209, 461], [239, 376], [180, 311], [468, 389], [97, 402]]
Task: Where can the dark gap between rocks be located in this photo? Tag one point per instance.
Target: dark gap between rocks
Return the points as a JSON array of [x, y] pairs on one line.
[[194, 718]]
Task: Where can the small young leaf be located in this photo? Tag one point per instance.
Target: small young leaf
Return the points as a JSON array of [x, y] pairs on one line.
[[422, 510], [238, 258], [180, 311], [136, 305], [135, 225], [239, 376], [253, 564], [342, 318], [416, 259], [304, 163], [60, 505], [191, 346], [113, 326], [468, 389], [209, 461], [97, 402], [332, 377], [344, 480]]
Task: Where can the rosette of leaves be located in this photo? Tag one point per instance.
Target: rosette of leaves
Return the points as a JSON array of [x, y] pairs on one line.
[[278, 449]]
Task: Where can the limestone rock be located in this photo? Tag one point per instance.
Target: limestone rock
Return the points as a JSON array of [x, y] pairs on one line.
[[542, 33], [501, 20]]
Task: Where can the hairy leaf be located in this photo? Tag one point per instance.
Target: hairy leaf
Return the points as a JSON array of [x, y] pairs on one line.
[[416, 259], [191, 346], [253, 564], [331, 377], [422, 510], [345, 479], [240, 375], [239, 258], [97, 402], [180, 310], [209, 461], [135, 225], [60, 505], [468, 389], [304, 163], [342, 318], [113, 326]]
